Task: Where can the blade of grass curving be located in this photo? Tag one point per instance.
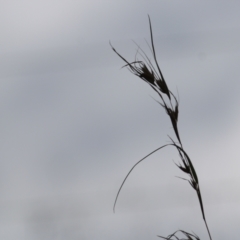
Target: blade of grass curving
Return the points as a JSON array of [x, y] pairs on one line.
[[115, 202]]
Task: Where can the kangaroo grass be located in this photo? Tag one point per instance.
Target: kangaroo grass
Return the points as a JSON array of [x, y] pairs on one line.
[[151, 74]]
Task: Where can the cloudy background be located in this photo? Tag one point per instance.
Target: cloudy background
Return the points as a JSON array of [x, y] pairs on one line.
[[73, 122]]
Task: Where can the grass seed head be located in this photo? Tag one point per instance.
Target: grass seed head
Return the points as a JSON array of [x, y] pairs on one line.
[[146, 74], [163, 87]]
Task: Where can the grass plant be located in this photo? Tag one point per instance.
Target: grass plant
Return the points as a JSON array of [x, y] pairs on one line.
[[151, 73]]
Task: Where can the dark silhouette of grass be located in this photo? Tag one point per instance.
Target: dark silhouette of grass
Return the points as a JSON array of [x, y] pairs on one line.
[[152, 75]]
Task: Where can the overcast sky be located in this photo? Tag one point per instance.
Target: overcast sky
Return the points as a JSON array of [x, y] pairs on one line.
[[73, 122]]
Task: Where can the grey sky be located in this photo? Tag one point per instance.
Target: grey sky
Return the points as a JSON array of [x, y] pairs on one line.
[[73, 122]]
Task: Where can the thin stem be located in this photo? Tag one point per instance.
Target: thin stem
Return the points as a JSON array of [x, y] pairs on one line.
[[115, 202], [209, 234]]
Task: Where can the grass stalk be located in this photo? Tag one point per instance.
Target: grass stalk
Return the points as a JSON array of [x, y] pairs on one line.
[[151, 74]]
